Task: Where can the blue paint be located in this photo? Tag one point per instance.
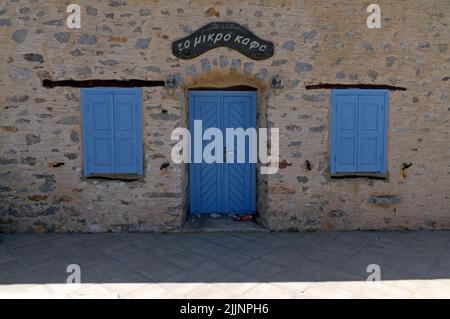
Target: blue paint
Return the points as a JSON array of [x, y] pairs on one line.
[[359, 131], [112, 131], [222, 187]]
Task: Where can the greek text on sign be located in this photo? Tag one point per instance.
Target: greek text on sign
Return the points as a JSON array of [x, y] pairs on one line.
[[223, 34]]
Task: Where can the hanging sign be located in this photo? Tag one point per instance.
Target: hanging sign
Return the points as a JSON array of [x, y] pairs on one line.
[[222, 34]]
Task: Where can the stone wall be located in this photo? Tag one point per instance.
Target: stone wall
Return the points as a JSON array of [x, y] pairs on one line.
[[42, 187]]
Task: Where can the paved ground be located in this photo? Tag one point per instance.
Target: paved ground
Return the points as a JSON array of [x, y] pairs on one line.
[[226, 265]]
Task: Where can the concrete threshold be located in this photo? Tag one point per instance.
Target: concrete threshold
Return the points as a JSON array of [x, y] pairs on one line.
[[220, 224]]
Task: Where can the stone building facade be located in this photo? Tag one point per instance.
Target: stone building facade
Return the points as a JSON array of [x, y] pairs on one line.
[[42, 185]]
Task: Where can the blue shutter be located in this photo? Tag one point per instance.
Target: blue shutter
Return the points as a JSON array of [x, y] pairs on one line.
[[127, 139], [344, 133], [372, 132], [112, 131], [358, 133], [98, 133]]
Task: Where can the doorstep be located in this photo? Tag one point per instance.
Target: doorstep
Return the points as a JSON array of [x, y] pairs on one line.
[[205, 223]]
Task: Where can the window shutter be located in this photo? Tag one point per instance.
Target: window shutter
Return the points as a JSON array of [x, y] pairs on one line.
[[371, 132], [112, 131], [358, 129], [127, 136], [98, 129], [344, 133]]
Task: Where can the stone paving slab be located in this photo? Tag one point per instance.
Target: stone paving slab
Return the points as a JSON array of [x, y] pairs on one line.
[[227, 265]]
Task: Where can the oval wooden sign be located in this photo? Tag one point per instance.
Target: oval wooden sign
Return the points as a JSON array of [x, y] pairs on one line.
[[223, 34]]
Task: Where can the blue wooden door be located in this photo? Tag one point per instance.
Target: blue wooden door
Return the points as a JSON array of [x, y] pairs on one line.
[[206, 179], [239, 111], [230, 185]]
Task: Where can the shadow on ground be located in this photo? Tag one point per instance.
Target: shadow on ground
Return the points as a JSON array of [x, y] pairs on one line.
[[224, 257]]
